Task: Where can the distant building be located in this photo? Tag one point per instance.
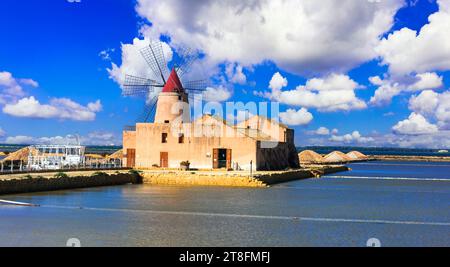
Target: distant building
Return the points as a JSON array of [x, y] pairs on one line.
[[53, 157], [208, 142]]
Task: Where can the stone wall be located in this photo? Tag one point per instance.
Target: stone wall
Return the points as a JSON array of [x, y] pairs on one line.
[[238, 179], [39, 184], [199, 179]]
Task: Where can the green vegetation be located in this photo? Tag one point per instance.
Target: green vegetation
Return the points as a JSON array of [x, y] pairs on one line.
[[100, 174], [60, 175], [135, 172]]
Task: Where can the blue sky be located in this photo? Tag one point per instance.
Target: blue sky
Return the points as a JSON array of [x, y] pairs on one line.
[[61, 63]]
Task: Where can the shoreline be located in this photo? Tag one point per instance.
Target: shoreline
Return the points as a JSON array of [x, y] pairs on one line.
[[410, 158], [41, 182]]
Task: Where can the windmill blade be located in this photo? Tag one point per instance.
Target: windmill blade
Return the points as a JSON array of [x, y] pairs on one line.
[[154, 56], [148, 111], [197, 85], [159, 47], [188, 56], [137, 86]]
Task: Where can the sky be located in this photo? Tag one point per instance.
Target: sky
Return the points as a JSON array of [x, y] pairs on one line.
[[350, 72]]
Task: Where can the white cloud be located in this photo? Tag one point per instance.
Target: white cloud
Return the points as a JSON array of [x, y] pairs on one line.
[[388, 88], [106, 54], [296, 117], [321, 36], [335, 92], [218, 94], [354, 137], [277, 82], [322, 131], [427, 80], [405, 51], [134, 64], [433, 105], [2, 132], [29, 82], [416, 124], [235, 74], [424, 103], [19, 140], [60, 108], [93, 138], [12, 88]]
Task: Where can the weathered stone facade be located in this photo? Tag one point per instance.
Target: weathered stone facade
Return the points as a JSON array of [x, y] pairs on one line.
[[209, 142]]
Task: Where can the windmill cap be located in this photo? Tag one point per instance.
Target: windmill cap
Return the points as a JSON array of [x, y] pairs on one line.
[[173, 84]]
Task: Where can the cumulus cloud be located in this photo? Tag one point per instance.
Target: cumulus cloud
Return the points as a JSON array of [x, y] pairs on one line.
[[416, 124], [388, 88], [322, 131], [433, 105], [334, 92], [235, 73], [277, 82], [321, 36], [218, 94], [93, 138], [354, 137], [11, 88], [296, 117], [60, 108], [134, 64], [406, 51]]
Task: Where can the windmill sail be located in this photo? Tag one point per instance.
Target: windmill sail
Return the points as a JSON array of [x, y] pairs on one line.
[[149, 88]]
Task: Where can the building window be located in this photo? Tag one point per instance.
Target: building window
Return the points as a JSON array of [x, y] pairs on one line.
[[181, 139], [164, 138], [166, 121]]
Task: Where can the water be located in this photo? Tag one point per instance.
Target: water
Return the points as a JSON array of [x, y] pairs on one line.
[[344, 209]]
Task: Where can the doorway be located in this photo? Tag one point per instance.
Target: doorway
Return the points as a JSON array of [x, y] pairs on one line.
[[164, 159], [131, 157], [221, 158]]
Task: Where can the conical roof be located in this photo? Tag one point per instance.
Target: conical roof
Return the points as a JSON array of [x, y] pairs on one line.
[[173, 83]]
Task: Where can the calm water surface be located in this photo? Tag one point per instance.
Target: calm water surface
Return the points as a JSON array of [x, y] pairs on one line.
[[401, 204]]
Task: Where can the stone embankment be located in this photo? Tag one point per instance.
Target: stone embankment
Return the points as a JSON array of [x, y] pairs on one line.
[[411, 158], [233, 178], [60, 181]]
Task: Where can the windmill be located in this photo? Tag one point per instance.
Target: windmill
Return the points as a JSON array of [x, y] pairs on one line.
[[161, 80]]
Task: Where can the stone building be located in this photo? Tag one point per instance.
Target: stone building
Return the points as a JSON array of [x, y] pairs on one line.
[[208, 142]]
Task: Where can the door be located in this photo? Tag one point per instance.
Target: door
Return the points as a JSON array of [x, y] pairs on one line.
[[228, 159], [131, 157], [164, 160], [215, 158]]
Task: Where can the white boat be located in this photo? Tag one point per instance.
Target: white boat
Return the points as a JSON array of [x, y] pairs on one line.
[[442, 151]]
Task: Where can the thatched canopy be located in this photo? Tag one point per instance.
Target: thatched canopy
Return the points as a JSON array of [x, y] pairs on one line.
[[116, 155], [21, 154], [309, 157], [2, 153], [94, 156], [355, 155], [337, 156]]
